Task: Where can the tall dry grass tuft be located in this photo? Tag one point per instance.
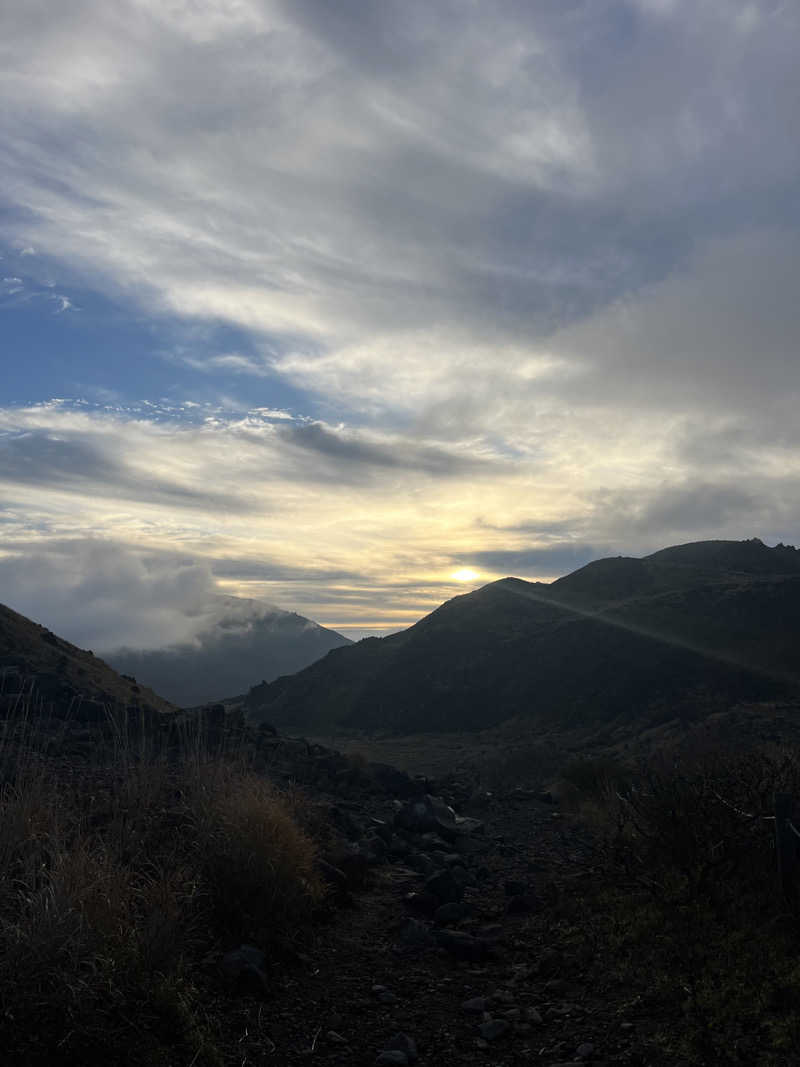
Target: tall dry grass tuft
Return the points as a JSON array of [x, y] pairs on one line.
[[258, 864], [120, 876]]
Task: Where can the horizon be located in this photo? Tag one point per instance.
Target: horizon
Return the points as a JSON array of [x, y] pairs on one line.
[[353, 310]]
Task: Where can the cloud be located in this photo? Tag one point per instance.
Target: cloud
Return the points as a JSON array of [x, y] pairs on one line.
[[545, 561], [68, 462], [527, 272], [336, 452], [102, 595]]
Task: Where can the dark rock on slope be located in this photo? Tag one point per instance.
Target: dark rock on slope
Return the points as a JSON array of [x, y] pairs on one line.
[[688, 628]]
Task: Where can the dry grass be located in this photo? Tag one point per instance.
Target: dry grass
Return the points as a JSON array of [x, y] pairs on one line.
[[689, 914], [118, 885]]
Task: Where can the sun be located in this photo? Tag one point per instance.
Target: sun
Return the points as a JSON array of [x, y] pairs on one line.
[[466, 574]]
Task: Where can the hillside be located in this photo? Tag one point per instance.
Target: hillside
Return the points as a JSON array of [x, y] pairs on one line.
[[247, 640], [39, 667], [690, 627]]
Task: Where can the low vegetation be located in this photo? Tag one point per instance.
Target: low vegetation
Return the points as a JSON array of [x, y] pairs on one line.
[[122, 881], [688, 913]]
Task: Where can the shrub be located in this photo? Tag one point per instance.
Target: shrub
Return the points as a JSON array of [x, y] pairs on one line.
[[118, 881], [692, 913], [257, 863]]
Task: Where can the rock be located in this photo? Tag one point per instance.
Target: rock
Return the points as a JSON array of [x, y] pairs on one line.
[[452, 912], [243, 969], [445, 886], [352, 862], [461, 875], [399, 847], [549, 962], [423, 903], [384, 995], [475, 1006], [393, 781], [493, 1029], [585, 1051], [521, 904], [402, 1042], [394, 1056], [556, 986], [382, 828], [428, 814], [422, 862], [413, 934], [514, 888], [375, 849], [533, 1015], [463, 946]]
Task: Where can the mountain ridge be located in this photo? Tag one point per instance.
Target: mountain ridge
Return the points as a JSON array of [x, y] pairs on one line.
[[247, 639], [719, 620]]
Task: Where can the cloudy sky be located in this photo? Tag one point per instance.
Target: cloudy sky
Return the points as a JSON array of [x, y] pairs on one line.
[[354, 306]]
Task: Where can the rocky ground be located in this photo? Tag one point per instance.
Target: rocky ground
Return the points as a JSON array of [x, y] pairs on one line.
[[452, 942]]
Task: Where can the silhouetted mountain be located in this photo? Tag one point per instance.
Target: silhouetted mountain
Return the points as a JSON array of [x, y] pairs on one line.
[[246, 640], [684, 629], [39, 670]]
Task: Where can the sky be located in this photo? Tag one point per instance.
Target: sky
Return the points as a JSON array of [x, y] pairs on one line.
[[354, 307]]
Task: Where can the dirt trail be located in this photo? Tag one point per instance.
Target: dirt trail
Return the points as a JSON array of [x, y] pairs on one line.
[[365, 978]]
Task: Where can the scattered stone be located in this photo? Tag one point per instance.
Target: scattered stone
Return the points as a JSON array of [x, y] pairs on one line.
[[398, 847], [523, 904], [428, 814], [452, 912], [402, 1042], [375, 849], [445, 886], [514, 888], [549, 962], [475, 1006], [384, 995], [422, 862], [533, 1015], [463, 946], [412, 935], [556, 986], [424, 903], [493, 1029], [391, 780], [336, 1038]]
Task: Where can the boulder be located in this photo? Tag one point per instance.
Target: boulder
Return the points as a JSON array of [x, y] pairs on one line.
[[463, 946]]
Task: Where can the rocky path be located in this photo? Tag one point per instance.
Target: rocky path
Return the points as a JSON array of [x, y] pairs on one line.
[[458, 948]]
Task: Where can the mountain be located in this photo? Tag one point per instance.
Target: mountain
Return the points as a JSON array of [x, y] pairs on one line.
[[693, 626], [245, 640], [39, 669]]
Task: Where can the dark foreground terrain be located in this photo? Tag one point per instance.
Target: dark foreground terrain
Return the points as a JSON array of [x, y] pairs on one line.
[[183, 888]]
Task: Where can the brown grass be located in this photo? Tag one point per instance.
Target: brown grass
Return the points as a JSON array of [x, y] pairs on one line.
[[117, 886]]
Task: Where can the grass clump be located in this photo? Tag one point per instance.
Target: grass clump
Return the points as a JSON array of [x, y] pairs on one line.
[[121, 881], [689, 913]]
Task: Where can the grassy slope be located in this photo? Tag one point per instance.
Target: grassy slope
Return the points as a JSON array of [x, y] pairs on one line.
[[31, 655]]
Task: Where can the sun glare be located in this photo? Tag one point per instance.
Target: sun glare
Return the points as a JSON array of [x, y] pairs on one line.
[[466, 574]]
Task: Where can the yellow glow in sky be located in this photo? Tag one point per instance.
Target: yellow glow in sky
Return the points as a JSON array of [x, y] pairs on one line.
[[466, 574]]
